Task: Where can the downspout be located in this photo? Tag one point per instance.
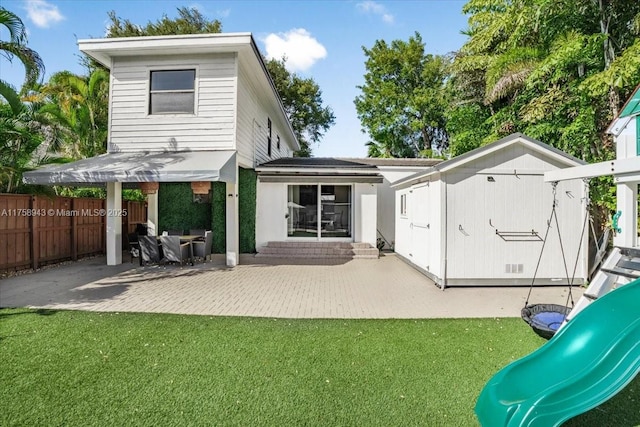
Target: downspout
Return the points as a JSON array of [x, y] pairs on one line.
[[446, 235]]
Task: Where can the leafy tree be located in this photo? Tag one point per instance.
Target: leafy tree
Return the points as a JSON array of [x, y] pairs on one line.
[[80, 104], [553, 69], [301, 97], [302, 100], [16, 47], [403, 100], [26, 139], [189, 21]]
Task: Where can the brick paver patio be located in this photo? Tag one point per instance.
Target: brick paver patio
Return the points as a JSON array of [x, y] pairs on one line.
[[379, 288]]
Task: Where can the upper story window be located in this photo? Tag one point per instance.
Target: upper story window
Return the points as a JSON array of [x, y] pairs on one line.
[[172, 91]]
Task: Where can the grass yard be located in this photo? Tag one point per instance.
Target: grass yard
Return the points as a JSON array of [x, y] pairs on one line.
[[120, 369]]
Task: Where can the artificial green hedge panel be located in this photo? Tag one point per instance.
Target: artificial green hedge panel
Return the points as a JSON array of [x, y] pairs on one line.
[[247, 210], [176, 209], [218, 215]]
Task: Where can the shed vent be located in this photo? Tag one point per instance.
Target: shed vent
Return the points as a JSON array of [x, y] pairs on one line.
[[514, 268]]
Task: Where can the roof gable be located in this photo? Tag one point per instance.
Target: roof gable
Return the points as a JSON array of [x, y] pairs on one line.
[[487, 150]]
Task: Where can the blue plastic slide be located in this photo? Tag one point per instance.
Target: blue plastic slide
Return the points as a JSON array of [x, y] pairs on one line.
[[587, 362]]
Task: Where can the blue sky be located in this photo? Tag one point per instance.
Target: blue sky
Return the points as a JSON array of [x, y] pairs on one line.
[[323, 39]]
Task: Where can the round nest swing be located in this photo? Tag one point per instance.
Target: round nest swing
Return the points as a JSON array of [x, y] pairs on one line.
[[545, 319]]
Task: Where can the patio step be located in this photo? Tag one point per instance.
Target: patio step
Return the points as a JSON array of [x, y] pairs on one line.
[[318, 250]]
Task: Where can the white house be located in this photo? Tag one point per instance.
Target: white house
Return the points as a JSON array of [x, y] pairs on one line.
[[480, 218], [185, 108]]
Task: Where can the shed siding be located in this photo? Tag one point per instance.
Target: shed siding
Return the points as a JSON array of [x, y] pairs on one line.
[[253, 112], [211, 127], [477, 208]]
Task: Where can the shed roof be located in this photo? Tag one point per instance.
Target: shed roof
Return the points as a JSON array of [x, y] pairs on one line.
[[472, 155]]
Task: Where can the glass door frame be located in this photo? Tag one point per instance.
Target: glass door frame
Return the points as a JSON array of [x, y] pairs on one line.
[[291, 205]]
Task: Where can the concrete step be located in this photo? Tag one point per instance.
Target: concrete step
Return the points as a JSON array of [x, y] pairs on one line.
[[318, 250]]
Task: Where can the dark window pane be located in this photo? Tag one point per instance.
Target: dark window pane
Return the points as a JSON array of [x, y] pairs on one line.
[[172, 102], [173, 80]]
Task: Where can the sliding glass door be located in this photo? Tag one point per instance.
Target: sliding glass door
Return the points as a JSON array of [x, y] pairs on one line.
[[319, 211]]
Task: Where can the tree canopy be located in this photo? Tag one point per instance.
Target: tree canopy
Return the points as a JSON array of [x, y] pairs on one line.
[[403, 99]]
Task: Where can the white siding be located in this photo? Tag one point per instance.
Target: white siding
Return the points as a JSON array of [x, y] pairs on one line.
[[211, 127], [271, 223], [365, 213], [386, 199], [626, 141], [253, 112], [476, 208]]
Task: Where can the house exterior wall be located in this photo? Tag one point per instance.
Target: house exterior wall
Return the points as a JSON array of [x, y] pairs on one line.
[[211, 127], [271, 202], [271, 211], [386, 207], [365, 206], [253, 115]]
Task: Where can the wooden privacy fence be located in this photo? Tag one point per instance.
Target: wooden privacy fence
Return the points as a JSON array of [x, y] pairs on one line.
[[36, 230]]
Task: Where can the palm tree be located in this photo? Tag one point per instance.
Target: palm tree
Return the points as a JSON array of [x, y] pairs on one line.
[[16, 47], [79, 105]]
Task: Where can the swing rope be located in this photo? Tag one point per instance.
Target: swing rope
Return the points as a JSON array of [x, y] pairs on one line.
[[554, 217], [544, 242]]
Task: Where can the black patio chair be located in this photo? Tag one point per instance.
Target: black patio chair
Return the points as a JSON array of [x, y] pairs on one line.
[[149, 250], [197, 232], [174, 232], [174, 251], [203, 249]]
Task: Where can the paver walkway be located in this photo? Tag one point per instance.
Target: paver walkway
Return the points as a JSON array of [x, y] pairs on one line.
[[382, 288]]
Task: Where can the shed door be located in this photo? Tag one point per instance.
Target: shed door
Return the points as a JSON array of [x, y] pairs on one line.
[[420, 234]]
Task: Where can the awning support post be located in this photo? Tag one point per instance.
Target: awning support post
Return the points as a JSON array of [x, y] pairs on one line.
[[232, 224], [152, 214], [114, 223]]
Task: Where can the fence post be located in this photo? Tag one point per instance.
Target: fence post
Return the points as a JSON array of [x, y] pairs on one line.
[[74, 230], [34, 242]]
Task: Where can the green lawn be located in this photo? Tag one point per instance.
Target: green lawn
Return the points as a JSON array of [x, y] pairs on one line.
[[81, 369]]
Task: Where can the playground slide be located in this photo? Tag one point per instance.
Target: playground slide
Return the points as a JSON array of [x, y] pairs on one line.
[[587, 362]]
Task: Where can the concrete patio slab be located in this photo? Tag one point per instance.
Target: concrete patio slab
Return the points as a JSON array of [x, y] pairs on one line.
[[262, 287]]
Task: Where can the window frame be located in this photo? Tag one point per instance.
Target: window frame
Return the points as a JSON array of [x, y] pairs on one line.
[[193, 91], [403, 205]]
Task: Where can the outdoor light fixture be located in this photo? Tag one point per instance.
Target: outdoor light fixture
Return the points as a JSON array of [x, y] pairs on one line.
[[490, 179]]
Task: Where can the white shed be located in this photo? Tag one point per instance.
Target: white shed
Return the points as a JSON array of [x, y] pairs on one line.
[[480, 219]]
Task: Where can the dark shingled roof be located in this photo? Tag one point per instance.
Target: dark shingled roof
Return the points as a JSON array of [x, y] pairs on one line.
[[315, 163]]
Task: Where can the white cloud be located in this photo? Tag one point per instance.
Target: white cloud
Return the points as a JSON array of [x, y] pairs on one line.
[[43, 14], [224, 13], [300, 48], [369, 6]]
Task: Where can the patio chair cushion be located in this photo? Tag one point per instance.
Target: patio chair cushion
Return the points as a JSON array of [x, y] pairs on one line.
[[173, 250], [149, 249], [203, 249]]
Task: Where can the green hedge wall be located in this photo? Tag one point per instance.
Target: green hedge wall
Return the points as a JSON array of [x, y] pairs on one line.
[[218, 215], [176, 209], [247, 207]]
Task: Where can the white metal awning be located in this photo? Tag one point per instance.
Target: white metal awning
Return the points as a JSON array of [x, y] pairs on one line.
[[172, 166]]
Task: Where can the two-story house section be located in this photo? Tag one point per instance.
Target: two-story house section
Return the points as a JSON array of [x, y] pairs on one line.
[[184, 108]]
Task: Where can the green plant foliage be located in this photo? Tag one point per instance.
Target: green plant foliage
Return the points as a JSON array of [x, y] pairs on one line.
[[403, 99], [176, 209], [247, 209], [218, 217]]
